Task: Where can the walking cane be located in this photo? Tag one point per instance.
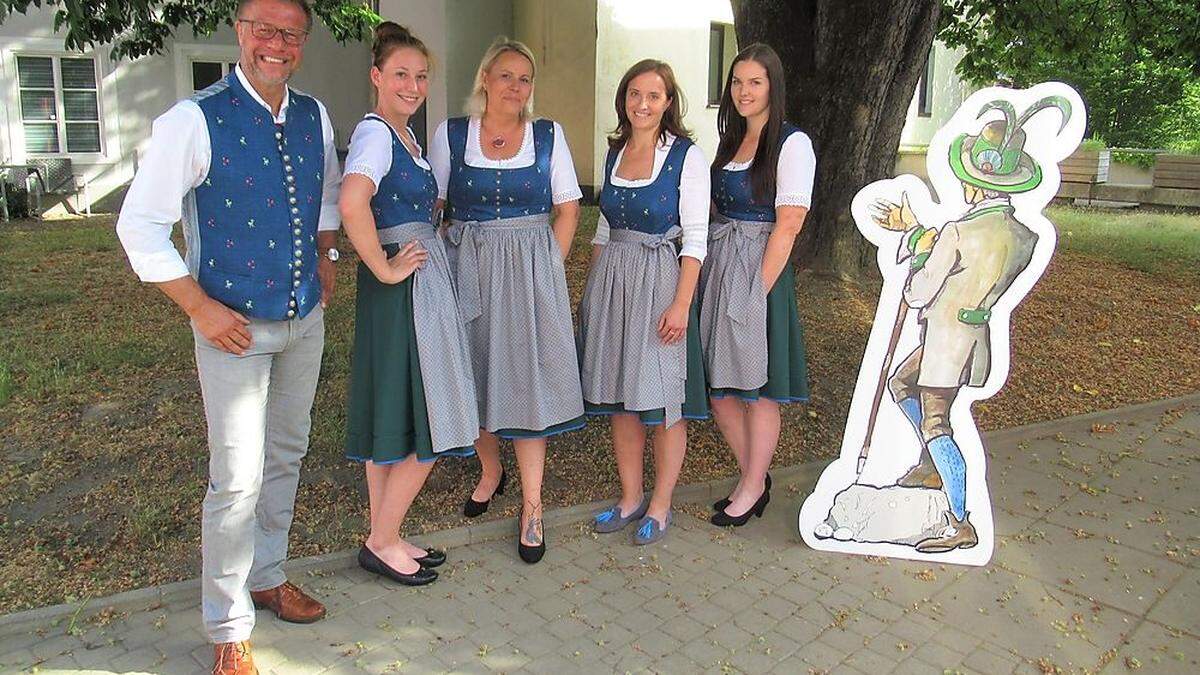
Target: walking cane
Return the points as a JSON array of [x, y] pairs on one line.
[[901, 314]]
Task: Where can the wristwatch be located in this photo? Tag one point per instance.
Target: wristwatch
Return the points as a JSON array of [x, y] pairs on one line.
[[332, 254]]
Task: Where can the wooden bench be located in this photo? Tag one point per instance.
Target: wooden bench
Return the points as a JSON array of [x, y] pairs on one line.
[[1177, 171]]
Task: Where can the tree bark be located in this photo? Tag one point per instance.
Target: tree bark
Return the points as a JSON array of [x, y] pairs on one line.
[[852, 67]]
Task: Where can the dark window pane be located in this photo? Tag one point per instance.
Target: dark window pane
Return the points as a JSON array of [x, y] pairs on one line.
[[37, 104], [229, 66], [204, 74], [78, 73], [35, 71], [41, 138], [80, 106], [83, 137], [716, 56]]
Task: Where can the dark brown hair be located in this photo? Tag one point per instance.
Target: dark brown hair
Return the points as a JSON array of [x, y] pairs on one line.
[[390, 36], [302, 4], [732, 126], [672, 119]]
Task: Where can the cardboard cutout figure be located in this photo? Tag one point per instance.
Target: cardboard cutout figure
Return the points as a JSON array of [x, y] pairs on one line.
[[910, 480]]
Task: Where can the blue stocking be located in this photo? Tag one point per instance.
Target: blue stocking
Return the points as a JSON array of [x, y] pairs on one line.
[[953, 470]]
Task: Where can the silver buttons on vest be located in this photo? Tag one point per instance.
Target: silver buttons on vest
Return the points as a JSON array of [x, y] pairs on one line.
[[297, 222]]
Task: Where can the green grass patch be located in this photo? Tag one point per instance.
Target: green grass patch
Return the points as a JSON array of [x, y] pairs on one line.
[[1155, 243], [6, 383]]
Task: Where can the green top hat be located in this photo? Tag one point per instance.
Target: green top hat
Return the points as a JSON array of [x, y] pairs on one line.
[[996, 158]]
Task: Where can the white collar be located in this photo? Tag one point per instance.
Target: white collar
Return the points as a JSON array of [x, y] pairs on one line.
[[988, 203], [287, 95]]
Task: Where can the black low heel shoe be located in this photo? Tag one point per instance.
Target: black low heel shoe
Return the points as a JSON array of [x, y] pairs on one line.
[[720, 504], [432, 558], [531, 554], [473, 508], [371, 563], [722, 519]]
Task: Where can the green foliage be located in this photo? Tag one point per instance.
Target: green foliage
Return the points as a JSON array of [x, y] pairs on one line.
[[141, 27], [1143, 160], [1133, 62], [1092, 144]]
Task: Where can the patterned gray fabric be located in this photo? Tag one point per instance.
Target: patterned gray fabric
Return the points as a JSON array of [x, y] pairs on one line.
[[441, 342], [512, 291], [629, 287], [733, 304]]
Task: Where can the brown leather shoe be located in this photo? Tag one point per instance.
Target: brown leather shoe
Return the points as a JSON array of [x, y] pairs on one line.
[[289, 603], [956, 534], [233, 658], [923, 475]]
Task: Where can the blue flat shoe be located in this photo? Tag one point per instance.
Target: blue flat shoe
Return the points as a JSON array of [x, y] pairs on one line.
[[611, 520], [649, 530]]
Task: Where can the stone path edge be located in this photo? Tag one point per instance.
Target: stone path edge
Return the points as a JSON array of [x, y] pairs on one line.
[[808, 472]]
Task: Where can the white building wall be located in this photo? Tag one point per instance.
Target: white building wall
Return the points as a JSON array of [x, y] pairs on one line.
[[133, 93], [948, 94], [675, 31]]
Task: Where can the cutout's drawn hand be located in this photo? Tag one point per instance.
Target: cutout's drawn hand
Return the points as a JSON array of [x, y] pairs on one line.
[[894, 217]]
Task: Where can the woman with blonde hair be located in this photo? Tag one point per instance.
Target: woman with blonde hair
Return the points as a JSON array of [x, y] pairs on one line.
[[510, 192], [640, 345], [412, 398]]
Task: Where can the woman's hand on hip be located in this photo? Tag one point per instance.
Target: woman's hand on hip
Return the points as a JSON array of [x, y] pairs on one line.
[[402, 265]]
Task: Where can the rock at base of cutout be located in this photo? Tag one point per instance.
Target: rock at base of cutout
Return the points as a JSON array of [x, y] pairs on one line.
[[892, 514]]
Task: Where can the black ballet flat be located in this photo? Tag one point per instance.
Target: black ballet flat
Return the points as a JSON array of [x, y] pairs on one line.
[[474, 509], [432, 558], [720, 504], [722, 519], [372, 563]]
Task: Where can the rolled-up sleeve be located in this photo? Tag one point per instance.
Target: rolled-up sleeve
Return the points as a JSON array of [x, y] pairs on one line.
[[175, 161], [331, 188], [694, 197]]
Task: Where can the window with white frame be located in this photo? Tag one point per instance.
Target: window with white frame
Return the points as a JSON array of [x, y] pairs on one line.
[[60, 104], [722, 47], [925, 89], [207, 73]]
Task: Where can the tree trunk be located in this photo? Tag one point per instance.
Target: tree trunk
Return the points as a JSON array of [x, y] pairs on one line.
[[852, 67]]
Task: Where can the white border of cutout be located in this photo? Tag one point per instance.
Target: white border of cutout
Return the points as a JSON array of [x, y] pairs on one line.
[[1047, 146]]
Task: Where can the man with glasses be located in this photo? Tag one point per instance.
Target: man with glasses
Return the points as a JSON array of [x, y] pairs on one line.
[[250, 168]]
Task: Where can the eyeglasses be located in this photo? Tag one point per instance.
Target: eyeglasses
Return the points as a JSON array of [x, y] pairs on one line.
[[266, 32]]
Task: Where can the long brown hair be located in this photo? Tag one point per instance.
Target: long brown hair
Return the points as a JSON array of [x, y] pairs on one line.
[[390, 36], [732, 126], [672, 119]]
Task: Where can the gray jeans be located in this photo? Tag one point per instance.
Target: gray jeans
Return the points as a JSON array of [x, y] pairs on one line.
[[258, 408]]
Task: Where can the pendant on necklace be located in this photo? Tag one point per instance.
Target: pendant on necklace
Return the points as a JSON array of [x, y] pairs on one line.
[[499, 142]]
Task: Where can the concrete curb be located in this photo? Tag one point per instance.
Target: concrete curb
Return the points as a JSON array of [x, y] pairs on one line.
[[806, 473]]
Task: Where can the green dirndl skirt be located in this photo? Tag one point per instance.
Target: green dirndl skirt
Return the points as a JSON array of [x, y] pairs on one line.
[[387, 420], [695, 401], [787, 365]]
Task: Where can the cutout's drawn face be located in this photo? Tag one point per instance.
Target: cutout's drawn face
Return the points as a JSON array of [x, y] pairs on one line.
[[271, 35], [646, 101], [403, 81], [750, 88], [508, 83]]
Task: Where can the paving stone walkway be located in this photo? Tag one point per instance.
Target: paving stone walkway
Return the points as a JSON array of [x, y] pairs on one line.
[[1097, 568]]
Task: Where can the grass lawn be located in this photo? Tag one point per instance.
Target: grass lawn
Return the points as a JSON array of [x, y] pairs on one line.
[[1146, 241], [103, 458]]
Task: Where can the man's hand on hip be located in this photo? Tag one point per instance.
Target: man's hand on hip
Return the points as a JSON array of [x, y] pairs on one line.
[[224, 328]]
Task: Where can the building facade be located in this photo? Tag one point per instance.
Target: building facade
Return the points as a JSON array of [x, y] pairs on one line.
[[90, 116]]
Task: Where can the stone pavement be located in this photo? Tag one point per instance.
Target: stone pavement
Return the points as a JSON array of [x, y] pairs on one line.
[[1097, 567]]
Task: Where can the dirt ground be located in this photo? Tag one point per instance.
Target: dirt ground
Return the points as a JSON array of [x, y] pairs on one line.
[[102, 454]]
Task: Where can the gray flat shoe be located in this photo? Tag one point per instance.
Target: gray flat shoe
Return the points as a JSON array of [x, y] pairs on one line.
[[649, 531], [611, 520]]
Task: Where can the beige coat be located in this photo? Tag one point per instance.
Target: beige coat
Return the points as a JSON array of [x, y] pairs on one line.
[[973, 262]]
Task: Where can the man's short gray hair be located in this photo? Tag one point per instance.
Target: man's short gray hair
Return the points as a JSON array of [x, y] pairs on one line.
[[302, 4]]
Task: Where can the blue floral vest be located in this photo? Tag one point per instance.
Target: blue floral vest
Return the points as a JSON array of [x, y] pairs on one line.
[[734, 195], [407, 193], [255, 249], [491, 194], [653, 208]]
